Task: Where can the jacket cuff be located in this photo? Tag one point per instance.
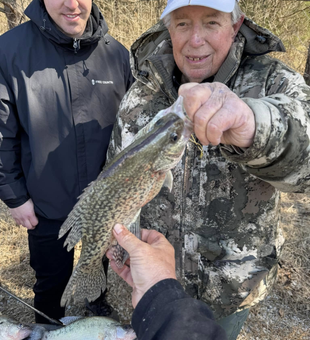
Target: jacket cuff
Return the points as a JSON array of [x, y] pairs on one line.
[[15, 203], [255, 154], [153, 301], [15, 193]]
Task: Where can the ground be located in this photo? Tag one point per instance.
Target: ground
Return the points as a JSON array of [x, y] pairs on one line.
[[284, 314]]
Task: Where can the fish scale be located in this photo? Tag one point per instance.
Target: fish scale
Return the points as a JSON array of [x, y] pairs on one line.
[[123, 187]]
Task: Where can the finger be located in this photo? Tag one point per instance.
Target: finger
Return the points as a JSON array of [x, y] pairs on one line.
[[157, 240], [123, 272], [145, 234], [185, 87], [195, 95], [109, 254], [218, 124], [28, 225], [206, 126], [152, 237]]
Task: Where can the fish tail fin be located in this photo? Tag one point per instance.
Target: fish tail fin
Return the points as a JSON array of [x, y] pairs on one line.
[[88, 280]]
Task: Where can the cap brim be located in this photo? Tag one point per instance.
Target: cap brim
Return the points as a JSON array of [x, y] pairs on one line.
[[226, 6]]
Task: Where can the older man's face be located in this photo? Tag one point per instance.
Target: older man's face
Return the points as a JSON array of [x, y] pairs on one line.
[[69, 15], [201, 38]]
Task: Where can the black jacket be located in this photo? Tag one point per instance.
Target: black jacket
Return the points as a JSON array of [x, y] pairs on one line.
[[166, 312], [58, 102]]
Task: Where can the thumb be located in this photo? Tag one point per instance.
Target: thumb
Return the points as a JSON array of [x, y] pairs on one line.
[[125, 238]]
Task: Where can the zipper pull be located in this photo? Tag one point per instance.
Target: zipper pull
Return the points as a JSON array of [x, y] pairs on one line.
[[76, 45]]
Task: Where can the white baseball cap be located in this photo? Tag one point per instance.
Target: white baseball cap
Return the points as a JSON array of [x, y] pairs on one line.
[[220, 5]]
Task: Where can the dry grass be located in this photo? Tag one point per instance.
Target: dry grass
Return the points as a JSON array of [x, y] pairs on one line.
[[289, 20], [15, 272]]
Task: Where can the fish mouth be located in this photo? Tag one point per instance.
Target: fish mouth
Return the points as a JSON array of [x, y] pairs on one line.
[[178, 109]]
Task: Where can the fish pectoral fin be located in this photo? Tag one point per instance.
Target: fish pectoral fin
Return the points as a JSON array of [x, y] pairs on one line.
[[168, 183]]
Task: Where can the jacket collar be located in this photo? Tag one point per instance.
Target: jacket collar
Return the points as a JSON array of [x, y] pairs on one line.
[[36, 11]]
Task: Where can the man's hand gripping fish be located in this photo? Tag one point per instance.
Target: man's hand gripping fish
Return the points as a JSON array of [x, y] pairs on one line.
[[132, 179]]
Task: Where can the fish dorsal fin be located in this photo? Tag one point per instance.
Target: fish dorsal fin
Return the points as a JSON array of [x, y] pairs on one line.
[[73, 220], [74, 223], [67, 225], [69, 319]]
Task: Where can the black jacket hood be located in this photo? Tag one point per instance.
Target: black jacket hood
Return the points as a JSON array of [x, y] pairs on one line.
[[96, 25]]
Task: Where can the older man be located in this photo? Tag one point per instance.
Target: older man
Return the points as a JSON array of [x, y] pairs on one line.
[[251, 116]]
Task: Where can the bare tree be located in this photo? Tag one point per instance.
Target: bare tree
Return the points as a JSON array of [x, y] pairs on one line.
[[14, 11]]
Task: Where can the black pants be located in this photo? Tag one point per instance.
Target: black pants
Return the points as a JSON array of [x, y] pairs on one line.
[[52, 264]]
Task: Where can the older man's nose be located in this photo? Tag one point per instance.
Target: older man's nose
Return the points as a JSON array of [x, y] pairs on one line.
[[197, 38]]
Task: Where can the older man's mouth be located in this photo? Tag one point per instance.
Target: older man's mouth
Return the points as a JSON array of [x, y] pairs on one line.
[[196, 59]]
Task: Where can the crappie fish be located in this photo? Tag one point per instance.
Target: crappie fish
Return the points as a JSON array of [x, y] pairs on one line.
[[12, 330], [124, 186], [91, 328]]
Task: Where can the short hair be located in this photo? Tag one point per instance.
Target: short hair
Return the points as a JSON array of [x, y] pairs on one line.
[[235, 15]]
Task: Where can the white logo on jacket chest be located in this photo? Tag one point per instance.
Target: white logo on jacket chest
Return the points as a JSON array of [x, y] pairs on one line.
[[103, 82]]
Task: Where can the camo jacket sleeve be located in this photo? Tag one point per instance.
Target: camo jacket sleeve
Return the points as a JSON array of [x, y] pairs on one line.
[[280, 151]]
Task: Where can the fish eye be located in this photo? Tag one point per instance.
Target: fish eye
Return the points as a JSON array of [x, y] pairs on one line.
[[174, 137]]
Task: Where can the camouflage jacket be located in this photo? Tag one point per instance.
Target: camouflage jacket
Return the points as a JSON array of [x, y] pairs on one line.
[[222, 215]]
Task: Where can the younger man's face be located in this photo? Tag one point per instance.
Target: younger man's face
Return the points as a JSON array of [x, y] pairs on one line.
[[69, 15]]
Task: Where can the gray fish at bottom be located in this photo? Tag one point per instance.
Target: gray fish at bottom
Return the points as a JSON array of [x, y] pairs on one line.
[[78, 328], [124, 186], [13, 330]]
